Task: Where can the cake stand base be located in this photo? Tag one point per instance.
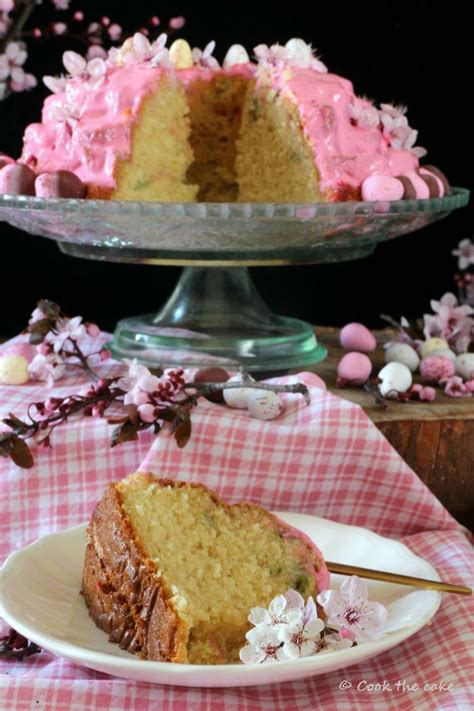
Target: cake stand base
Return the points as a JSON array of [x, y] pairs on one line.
[[215, 316]]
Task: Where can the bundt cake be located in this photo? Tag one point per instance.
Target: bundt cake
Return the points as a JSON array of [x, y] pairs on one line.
[[151, 123], [171, 571]]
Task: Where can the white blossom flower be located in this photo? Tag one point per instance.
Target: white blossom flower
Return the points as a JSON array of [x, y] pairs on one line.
[[48, 367], [135, 371], [351, 609], [204, 58], [264, 645], [301, 639], [364, 114], [465, 254], [66, 328], [396, 128]]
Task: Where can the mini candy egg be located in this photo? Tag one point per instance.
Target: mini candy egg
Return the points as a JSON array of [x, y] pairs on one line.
[[237, 397], [433, 170], [21, 349], [354, 369], [395, 378], [5, 160], [236, 54], [17, 179], [212, 375], [432, 344], [436, 367], [446, 352], [357, 337], [181, 54], [403, 353], [465, 366], [264, 404], [13, 370], [414, 187], [60, 184], [381, 187]]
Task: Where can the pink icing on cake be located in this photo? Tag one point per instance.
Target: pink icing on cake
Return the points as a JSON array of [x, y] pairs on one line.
[[87, 126], [346, 153]]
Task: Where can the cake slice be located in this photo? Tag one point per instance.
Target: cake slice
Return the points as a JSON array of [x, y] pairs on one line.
[[171, 571]]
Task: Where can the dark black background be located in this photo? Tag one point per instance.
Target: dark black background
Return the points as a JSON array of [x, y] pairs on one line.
[[415, 53]]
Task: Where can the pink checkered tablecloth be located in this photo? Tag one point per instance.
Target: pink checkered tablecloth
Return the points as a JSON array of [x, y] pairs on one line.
[[327, 459]]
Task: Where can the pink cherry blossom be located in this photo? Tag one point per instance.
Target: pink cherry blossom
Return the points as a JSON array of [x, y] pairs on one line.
[[6, 5], [61, 4], [65, 329], [424, 393], [92, 330], [177, 23], [204, 58], [364, 114], [147, 412], [21, 80], [95, 51], [450, 321], [350, 608], [47, 367], [264, 645], [455, 387], [59, 28], [465, 254], [115, 31], [395, 127]]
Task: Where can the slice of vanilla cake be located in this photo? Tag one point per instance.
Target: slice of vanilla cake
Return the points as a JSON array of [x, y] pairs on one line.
[[171, 571]]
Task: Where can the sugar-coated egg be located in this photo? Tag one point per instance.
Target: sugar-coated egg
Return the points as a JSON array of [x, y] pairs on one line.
[[237, 397], [403, 353], [212, 375], [395, 378], [264, 404], [355, 368], [357, 337], [432, 344], [465, 366], [13, 370]]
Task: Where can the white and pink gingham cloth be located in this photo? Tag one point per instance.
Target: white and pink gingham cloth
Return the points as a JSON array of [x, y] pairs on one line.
[[326, 459]]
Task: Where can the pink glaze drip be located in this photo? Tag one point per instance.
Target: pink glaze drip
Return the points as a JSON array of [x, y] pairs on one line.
[[322, 575], [345, 153]]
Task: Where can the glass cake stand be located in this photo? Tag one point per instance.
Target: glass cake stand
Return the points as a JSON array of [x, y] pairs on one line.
[[215, 315]]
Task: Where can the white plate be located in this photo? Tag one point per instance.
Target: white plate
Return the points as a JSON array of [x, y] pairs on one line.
[[40, 598]]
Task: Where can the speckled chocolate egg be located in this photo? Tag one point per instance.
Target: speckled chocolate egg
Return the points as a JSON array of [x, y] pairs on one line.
[[264, 404], [357, 337], [395, 378], [403, 353], [237, 397], [465, 366], [60, 184], [354, 368], [435, 367], [17, 179], [212, 375], [432, 344]]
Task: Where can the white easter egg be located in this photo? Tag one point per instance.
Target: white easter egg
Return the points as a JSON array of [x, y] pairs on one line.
[[236, 54], [13, 370], [264, 404], [237, 397], [395, 378], [432, 344], [403, 353], [465, 366]]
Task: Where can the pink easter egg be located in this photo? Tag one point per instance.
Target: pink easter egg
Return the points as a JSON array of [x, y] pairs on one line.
[[381, 187], [357, 337], [21, 349], [354, 369], [436, 367], [311, 380]]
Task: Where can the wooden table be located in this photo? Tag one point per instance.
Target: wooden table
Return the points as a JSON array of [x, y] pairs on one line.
[[436, 439]]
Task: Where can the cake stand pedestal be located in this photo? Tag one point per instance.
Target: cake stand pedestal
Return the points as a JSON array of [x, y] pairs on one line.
[[215, 315]]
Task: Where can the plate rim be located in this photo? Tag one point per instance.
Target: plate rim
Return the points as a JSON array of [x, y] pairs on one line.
[[307, 666]]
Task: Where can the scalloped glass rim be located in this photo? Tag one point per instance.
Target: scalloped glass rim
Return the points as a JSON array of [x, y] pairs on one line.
[[457, 198], [229, 234]]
